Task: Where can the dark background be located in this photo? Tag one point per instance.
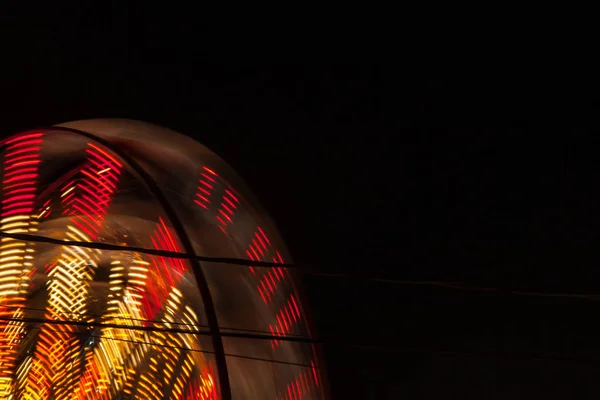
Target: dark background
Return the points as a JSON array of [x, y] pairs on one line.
[[397, 159]]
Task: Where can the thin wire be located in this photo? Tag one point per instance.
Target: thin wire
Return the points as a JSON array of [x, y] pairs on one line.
[[300, 268], [161, 329], [209, 352], [144, 320], [143, 250], [528, 356], [140, 342], [487, 354]]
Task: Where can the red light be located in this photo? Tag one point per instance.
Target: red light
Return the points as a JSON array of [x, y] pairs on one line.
[[223, 230], [14, 165], [21, 197], [10, 154], [24, 136], [260, 250], [229, 201], [210, 170], [312, 364], [208, 177], [84, 203], [260, 240], [220, 220], [225, 215], [208, 185], [232, 196], [289, 319], [104, 153], [24, 143], [202, 197], [293, 300], [227, 208], [23, 190], [263, 235], [257, 258], [206, 192], [21, 177], [21, 162], [201, 204], [262, 296]]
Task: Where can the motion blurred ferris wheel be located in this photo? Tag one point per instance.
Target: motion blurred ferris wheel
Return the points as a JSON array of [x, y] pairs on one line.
[[77, 322]]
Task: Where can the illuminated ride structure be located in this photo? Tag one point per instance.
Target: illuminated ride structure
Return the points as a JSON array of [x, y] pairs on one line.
[[80, 322]]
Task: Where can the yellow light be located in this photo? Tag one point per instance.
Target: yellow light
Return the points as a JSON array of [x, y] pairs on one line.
[[66, 192]]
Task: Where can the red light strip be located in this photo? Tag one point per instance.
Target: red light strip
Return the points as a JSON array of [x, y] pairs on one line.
[[205, 188], [287, 318], [86, 201], [210, 171], [258, 250], [24, 136], [302, 386], [202, 388], [20, 164], [10, 156], [163, 269], [104, 155], [227, 209], [22, 174]]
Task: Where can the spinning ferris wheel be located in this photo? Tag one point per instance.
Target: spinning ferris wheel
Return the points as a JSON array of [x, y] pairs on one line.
[[79, 322]]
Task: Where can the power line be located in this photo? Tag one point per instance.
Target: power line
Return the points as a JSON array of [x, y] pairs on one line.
[[140, 342], [147, 321], [143, 250], [334, 343], [394, 349], [269, 360], [462, 286], [304, 269], [240, 335], [484, 354]]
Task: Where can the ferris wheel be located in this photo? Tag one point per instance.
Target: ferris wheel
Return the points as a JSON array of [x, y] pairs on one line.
[[130, 311]]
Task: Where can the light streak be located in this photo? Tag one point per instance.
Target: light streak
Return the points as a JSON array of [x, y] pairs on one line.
[[18, 193], [66, 362], [56, 366]]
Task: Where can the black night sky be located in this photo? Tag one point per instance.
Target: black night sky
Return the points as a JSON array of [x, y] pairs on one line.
[[429, 167]]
